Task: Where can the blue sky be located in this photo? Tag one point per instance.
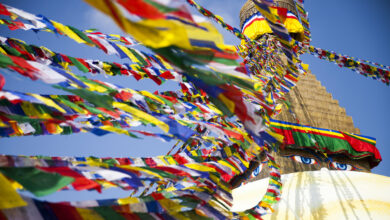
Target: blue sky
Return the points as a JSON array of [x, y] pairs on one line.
[[357, 28]]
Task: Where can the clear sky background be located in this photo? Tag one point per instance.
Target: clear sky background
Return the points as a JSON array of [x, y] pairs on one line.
[[357, 28]]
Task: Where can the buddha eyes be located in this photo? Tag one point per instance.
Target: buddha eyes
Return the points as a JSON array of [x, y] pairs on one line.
[[257, 170], [304, 160], [341, 166], [332, 165]]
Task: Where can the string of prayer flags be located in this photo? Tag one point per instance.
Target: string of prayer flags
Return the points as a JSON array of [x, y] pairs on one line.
[[364, 69], [274, 189], [40, 22], [245, 112], [32, 53], [254, 123], [147, 72], [107, 43], [303, 18], [157, 206], [218, 19], [179, 23], [147, 169]]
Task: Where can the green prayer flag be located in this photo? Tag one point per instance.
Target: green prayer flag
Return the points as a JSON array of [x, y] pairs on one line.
[[144, 216], [37, 126], [108, 213], [36, 181], [81, 34], [193, 215], [103, 101], [92, 109], [67, 130], [5, 61], [139, 57], [11, 51], [65, 100], [79, 65]]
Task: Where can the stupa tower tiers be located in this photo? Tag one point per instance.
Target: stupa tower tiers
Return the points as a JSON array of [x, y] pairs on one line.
[[312, 105], [310, 102]]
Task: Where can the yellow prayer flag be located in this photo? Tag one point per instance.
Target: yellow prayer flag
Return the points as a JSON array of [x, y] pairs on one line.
[[16, 185], [30, 110], [222, 162], [48, 102], [96, 87], [68, 32], [47, 50], [200, 167], [141, 115], [107, 69], [162, 60], [275, 135], [246, 163], [3, 51], [114, 129], [128, 200], [229, 104], [143, 170], [105, 184], [9, 198], [152, 96], [160, 33], [305, 66], [2, 124], [88, 214], [129, 54], [172, 208]]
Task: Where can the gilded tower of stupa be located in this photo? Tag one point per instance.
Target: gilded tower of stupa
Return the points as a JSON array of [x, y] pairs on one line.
[[310, 102]]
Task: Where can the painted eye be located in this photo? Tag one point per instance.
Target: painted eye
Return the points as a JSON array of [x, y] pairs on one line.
[[257, 170], [341, 166], [304, 160]]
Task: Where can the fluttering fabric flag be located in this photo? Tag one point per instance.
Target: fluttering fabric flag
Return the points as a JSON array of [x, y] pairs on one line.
[[9, 198], [38, 182]]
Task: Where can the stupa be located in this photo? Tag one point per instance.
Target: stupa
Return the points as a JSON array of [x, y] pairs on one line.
[[322, 148], [312, 109]]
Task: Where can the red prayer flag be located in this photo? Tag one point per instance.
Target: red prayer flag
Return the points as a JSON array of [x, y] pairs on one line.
[[167, 75], [2, 81], [141, 8], [65, 212], [4, 11], [80, 183]]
